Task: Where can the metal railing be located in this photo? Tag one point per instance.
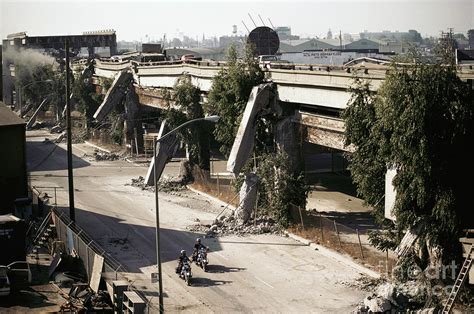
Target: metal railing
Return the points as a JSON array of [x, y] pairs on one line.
[[75, 238]]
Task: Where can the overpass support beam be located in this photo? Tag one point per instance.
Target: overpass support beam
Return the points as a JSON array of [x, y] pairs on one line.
[[289, 140], [132, 125]]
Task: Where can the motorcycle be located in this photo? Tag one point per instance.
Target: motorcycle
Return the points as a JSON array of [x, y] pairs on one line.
[[201, 259], [186, 273]]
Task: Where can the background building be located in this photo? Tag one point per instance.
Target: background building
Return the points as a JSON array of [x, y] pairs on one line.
[[13, 177]]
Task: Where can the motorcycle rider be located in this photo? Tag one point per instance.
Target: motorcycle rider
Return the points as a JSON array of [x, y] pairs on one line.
[[198, 245], [181, 260]]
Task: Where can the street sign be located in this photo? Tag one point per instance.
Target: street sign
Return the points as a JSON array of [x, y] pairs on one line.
[[154, 277]]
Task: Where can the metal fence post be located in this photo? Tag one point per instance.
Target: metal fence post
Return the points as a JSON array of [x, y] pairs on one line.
[[116, 272], [301, 217], [337, 233], [360, 244], [218, 185], [321, 226]]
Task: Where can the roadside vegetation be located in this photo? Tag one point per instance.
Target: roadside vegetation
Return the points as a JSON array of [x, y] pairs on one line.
[[419, 123]]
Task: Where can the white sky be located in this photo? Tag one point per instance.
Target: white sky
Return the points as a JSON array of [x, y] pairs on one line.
[[134, 20]]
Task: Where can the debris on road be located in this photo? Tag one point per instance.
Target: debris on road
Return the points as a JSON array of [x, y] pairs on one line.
[[100, 156], [231, 226], [164, 185], [390, 296]]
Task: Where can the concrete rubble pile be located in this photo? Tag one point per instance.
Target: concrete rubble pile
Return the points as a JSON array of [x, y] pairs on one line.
[[393, 298], [164, 185], [229, 225], [82, 298], [100, 156]]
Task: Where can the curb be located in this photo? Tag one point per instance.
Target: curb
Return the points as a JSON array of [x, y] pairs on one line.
[[321, 249], [334, 255], [211, 198], [98, 147]]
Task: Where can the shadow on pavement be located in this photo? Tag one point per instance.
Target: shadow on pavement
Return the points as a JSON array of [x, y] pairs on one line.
[[217, 269], [134, 245], [49, 157], [330, 182], [363, 221], [24, 298], [206, 282], [264, 243]]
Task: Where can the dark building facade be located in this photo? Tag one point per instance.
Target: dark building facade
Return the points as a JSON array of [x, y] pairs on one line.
[[13, 177]]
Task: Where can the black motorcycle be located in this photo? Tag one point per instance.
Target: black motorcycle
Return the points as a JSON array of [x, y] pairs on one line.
[[201, 258], [186, 273]]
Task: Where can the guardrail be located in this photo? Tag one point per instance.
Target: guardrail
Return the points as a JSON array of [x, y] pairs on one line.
[[85, 247]]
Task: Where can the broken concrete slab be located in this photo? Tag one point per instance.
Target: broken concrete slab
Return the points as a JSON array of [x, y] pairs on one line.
[[164, 152], [288, 140], [114, 95], [97, 267], [35, 114], [407, 241], [244, 140]]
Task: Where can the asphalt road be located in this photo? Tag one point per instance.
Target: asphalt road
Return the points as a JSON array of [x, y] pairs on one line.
[[266, 273]]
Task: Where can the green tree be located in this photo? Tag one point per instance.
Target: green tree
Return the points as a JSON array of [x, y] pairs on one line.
[[184, 105], [420, 123], [55, 88], [280, 188], [87, 100], [230, 91]]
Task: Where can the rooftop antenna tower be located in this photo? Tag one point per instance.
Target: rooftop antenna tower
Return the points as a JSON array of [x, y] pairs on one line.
[[340, 39], [246, 26], [271, 23], [252, 20]]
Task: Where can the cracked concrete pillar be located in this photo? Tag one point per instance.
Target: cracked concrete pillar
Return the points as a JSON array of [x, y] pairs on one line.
[[132, 122], [248, 198], [288, 138], [165, 151]]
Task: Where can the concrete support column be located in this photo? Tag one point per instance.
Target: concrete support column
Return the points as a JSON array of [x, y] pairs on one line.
[[132, 124], [289, 139], [91, 51]]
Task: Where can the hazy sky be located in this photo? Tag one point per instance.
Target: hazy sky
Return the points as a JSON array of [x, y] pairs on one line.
[[134, 20]]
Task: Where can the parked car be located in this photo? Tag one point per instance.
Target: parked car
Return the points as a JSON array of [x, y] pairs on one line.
[[4, 281], [190, 57]]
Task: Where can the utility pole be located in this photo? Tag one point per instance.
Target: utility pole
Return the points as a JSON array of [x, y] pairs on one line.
[[72, 210], [340, 39]]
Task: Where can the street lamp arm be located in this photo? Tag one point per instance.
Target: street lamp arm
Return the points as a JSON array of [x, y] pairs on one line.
[[157, 212], [210, 118], [43, 81]]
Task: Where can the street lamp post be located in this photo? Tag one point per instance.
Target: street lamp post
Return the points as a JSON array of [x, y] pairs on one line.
[[158, 259], [22, 88]]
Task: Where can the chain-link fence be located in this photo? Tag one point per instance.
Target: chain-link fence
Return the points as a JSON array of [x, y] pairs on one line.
[[319, 228], [78, 242], [217, 184]]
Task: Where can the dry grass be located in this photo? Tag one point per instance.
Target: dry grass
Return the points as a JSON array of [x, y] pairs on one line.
[[224, 193], [347, 244]]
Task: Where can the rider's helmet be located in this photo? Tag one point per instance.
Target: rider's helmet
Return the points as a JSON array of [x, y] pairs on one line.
[[198, 240], [183, 253]]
